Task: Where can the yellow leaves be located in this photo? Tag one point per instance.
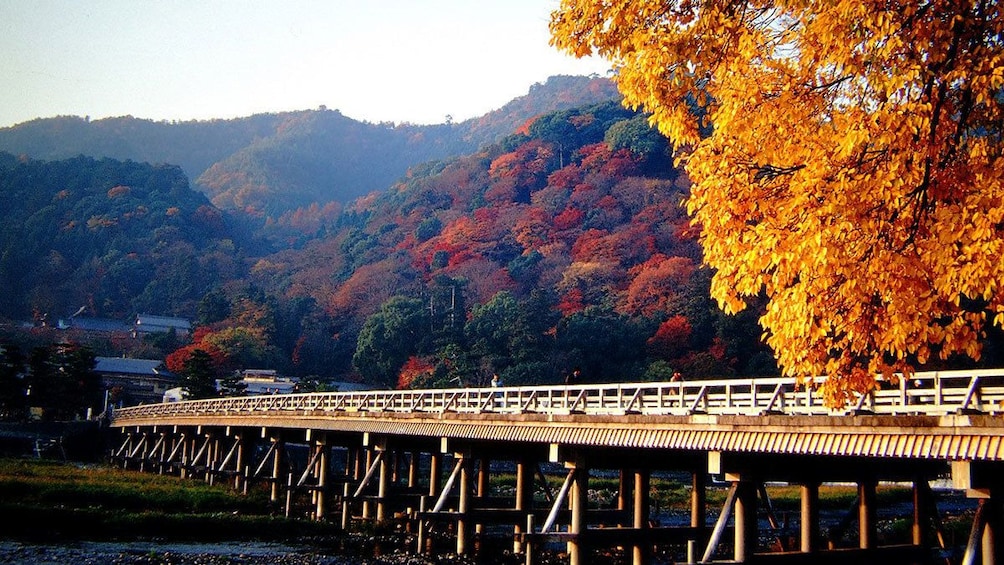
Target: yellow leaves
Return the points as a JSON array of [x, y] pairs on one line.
[[836, 180]]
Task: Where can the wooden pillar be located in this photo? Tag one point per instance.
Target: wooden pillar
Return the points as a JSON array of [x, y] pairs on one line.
[[921, 514], [484, 472], [464, 505], [623, 490], [145, 442], [435, 474], [866, 513], [698, 499], [809, 526], [366, 506], [524, 498], [413, 462], [698, 509], [386, 468], [240, 457], [578, 502], [320, 510], [277, 463], [212, 448], [185, 456], [484, 480], [745, 520], [641, 551], [988, 541]]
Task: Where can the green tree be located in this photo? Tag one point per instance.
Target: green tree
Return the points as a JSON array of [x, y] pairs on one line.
[[214, 307], [400, 328], [609, 347], [198, 375], [62, 382]]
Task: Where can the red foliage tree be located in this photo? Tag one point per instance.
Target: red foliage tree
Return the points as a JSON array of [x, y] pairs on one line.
[[671, 339], [414, 368]]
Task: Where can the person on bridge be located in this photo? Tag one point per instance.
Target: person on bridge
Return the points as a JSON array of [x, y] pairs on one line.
[[574, 377], [496, 381]]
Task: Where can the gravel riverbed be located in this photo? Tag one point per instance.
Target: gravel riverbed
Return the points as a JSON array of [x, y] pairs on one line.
[[231, 553]]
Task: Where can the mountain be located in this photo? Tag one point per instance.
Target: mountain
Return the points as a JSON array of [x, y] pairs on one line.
[[268, 164], [561, 243], [114, 237]]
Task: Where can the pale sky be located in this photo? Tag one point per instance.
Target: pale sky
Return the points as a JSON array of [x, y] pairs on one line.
[[376, 60]]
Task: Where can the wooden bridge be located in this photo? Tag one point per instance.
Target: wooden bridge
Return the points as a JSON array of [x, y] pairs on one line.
[[394, 448]]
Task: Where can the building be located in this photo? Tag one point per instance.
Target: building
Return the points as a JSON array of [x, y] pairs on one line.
[[147, 324], [266, 381], [135, 381], [93, 325]]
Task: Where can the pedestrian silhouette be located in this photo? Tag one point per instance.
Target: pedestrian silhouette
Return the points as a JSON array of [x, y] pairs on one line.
[[573, 377]]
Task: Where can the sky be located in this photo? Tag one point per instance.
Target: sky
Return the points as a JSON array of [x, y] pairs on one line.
[[415, 61]]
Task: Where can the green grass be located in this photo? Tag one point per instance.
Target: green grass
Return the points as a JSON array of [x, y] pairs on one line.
[[59, 500]]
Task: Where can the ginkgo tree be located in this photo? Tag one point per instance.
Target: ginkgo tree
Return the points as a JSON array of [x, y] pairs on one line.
[[846, 163]]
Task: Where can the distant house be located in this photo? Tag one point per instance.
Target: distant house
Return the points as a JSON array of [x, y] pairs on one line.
[[342, 386], [266, 381], [147, 324], [140, 381], [93, 325]]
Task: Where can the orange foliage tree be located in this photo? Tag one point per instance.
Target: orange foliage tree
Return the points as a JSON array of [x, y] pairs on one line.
[[847, 162]]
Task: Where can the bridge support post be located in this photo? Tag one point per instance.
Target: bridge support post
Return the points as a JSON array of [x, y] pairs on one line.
[[278, 455], [383, 483], [145, 452], [484, 479], [435, 474], [323, 462], [577, 504], [990, 533], [809, 527], [413, 461], [624, 486], [923, 500], [524, 497], [212, 456], [866, 513], [366, 507], [745, 534], [464, 504], [239, 459], [698, 509], [641, 551]]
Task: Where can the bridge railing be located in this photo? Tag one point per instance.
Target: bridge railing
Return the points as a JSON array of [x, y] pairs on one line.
[[936, 393]]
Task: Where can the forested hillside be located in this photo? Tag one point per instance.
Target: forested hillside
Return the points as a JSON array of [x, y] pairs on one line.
[[269, 164], [563, 244], [114, 237]]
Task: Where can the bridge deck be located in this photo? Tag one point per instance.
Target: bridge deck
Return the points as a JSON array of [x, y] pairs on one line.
[[950, 416]]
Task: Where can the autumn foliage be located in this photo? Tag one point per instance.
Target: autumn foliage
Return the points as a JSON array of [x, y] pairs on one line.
[[846, 161]]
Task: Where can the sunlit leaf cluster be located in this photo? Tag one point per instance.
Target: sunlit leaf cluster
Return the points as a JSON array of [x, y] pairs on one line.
[[853, 169]]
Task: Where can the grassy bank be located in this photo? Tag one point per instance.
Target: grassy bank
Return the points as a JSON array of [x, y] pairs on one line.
[[48, 500], [55, 500]]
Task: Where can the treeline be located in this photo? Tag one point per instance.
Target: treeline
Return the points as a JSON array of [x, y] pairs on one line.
[[113, 237], [56, 381]]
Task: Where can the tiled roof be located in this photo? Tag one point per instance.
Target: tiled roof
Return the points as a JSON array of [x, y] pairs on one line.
[[125, 366]]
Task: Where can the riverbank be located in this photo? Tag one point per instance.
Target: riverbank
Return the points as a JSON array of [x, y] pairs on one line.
[[65, 513], [230, 553]]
